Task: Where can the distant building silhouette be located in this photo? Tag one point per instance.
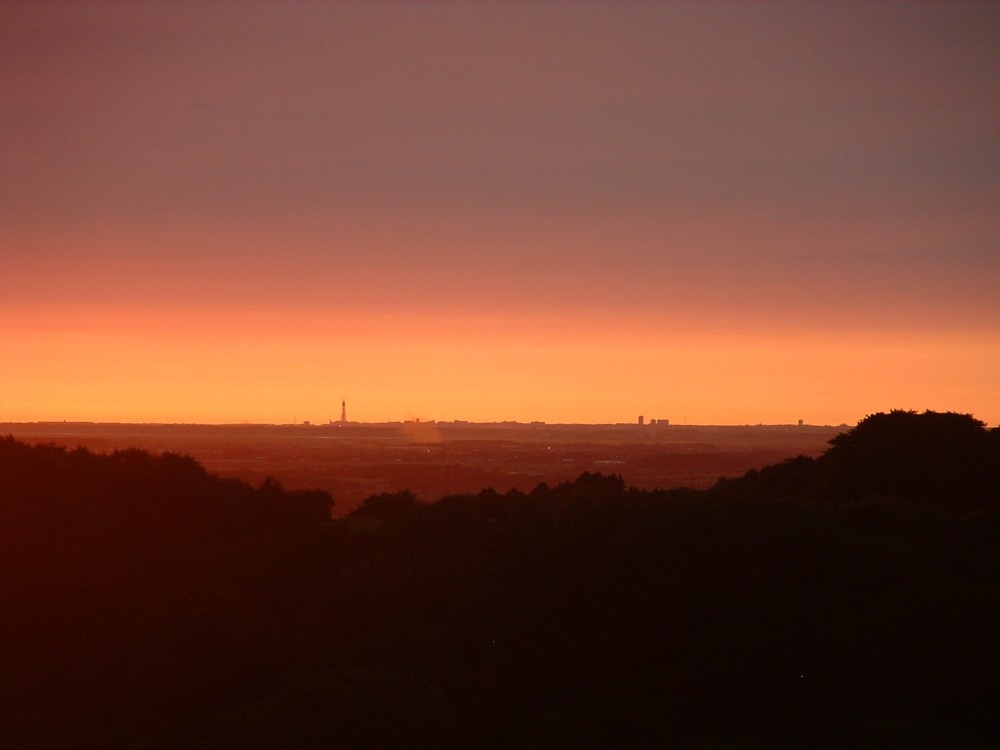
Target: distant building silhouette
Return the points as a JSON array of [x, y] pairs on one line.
[[343, 411], [642, 419]]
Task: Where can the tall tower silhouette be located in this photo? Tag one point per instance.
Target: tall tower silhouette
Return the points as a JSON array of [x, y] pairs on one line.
[[343, 411]]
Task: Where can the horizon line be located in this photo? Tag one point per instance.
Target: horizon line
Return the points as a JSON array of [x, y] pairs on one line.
[[657, 423]]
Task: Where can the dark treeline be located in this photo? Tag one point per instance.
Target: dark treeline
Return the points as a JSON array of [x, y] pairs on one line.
[[851, 600]]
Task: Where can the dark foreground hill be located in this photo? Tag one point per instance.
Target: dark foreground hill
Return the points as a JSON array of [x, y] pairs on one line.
[[848, 601]]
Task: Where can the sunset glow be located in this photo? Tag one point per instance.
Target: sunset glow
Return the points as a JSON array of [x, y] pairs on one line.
[[717, 213]]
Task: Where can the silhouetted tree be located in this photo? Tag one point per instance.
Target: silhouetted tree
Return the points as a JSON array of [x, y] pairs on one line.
[[948, 459], [386, 505]]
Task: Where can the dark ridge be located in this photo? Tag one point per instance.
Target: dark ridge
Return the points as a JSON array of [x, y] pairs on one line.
[[848, 601]]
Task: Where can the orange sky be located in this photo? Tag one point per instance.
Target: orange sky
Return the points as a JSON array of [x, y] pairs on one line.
[[720, 212]]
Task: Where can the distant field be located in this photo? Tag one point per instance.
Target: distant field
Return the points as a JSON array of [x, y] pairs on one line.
[[354, 461]]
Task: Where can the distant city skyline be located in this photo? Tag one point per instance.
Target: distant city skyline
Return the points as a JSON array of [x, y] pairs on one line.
[[736, 212], [649, 425]]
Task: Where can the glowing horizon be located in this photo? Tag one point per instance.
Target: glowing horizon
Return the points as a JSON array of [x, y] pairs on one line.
[[191, 365]]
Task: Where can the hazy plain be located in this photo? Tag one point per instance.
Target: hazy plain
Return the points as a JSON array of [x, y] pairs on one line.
[[433, 459]]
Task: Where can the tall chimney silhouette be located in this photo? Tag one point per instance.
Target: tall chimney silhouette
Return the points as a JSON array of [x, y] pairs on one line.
[[343, 411]]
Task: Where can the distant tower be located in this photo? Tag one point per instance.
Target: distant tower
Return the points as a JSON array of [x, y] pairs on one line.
[[343, 411], [642, 419]]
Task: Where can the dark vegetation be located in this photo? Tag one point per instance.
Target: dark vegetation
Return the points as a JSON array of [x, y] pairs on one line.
[[852, 600]]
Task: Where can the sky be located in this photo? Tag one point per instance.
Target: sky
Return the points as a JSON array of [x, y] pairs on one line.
[[707, 212]]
